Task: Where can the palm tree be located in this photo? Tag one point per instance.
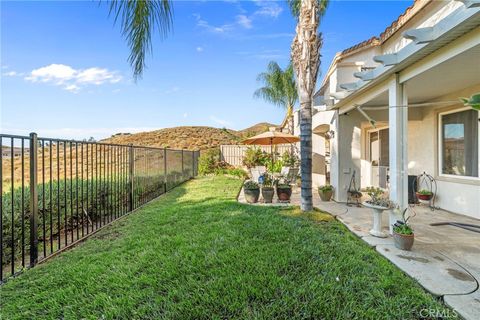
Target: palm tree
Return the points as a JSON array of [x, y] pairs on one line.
[[138, 20], [306, 61], [279, 87]]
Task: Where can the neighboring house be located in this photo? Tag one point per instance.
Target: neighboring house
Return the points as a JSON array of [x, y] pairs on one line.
[[390, 106]]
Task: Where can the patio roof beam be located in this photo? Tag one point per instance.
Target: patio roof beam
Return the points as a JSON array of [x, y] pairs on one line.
[[462, 20], [471, 3], [364, 75], [420, 35], [351, 86], [389, 59]]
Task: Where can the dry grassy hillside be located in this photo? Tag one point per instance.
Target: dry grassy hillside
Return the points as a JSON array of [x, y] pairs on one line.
[[190, 138]]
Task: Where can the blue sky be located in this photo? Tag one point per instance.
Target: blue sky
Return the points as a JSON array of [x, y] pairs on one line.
[[65, 71]]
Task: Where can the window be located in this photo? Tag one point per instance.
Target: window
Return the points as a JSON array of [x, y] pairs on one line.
[[459, 140]]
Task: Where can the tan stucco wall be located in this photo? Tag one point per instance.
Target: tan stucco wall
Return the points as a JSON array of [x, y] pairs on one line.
[[456, 195]]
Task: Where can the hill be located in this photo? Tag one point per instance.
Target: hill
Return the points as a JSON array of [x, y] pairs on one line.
[[190, 138]]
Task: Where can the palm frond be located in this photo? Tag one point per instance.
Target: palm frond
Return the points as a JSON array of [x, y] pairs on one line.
[[138, 20], [279, 86], [295, 6]]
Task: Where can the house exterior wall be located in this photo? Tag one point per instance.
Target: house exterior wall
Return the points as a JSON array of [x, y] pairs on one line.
[[453, 194]]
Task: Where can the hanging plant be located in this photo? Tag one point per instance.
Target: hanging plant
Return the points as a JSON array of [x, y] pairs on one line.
[[473, 102]]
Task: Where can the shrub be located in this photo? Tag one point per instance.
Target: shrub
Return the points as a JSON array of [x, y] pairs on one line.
[[250, 185], [209, 161], [290, 159], [326, 188], [256, 157]]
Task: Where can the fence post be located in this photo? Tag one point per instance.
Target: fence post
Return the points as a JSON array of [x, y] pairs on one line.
[[193, 164], [183, 169], [131, 171], [33, 199], [165, 168]]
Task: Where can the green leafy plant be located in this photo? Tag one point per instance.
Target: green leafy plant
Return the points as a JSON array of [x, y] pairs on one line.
[[290, 159], [250, 185], [255, 157], [283, 182], [473, 102], [267, 181], [425, 192], [326, 188], [402, 226], [275, 167], [210, 163], [378, 197]]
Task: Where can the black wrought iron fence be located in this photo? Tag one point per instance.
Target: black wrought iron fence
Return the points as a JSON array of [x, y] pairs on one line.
[[56, 192]]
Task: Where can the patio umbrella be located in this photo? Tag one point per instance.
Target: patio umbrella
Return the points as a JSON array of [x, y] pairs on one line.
[[271, 138]]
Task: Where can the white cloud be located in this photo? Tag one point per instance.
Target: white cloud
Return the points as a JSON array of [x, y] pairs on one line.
[[219, 121], [10, 74], [244, 21], [241, 21], [71, 79], [97, 76], [185, 115], [72, 88], [199, 49], [58, 73], [268, 9]]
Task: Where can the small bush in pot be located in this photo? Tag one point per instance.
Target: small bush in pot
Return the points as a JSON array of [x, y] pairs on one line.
[[325, 192], [251, 190], [267, 188], [403, 234], [284, 189], [424, 195]]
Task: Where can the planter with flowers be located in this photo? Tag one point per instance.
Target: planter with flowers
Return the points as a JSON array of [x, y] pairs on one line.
[[378, 202]]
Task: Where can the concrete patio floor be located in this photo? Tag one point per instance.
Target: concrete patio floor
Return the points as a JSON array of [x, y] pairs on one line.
[[445, 260]]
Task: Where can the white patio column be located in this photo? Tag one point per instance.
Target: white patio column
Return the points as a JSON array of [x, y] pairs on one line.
[[398, 125]]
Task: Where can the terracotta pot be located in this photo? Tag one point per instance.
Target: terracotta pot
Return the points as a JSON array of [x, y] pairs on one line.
[[267, 194], [284, 193], [403, 241], [325, 195], [424, 197], [251, 195]]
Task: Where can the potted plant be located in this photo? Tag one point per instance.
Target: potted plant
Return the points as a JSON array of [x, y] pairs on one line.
[[403, 235], [251, 190], [378, 203], [284, 189], [267, 188], [424, 195], [325, 192]]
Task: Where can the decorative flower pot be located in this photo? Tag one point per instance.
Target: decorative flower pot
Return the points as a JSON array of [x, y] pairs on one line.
[[325, 195], [251, 195], [376, 230], [403, 241], [284, 193], [424, 197], [267, 194]]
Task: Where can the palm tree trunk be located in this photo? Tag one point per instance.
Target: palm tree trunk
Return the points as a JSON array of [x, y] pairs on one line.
[[305, 57], [306, 154]]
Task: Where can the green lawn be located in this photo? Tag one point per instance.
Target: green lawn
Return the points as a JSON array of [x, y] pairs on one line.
[[196, 253]]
